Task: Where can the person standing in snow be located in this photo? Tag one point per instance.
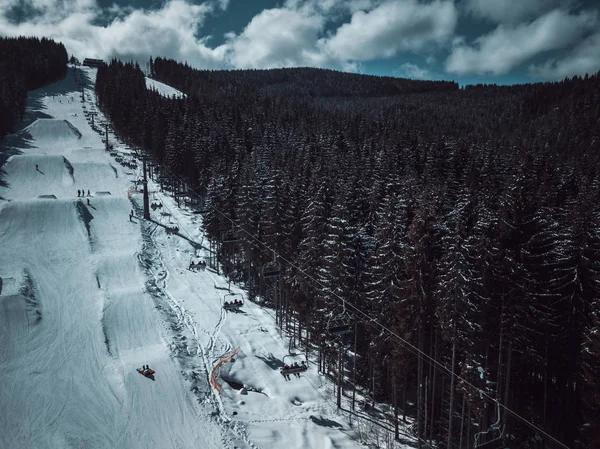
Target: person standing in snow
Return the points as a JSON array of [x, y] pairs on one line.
[[36, 167], [78, 193], [88, 200], [89, 193]]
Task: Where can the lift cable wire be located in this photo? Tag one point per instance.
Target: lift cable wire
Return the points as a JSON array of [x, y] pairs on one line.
[[374, 322]]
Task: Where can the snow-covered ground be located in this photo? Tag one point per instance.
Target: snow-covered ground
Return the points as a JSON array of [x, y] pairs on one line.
[[88, 296], [163, 89]]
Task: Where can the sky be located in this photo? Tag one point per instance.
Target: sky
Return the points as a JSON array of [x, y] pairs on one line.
[[468, 41]]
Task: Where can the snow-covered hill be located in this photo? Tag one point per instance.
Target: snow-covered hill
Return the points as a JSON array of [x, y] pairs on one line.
[[163, 89], [89, 295]]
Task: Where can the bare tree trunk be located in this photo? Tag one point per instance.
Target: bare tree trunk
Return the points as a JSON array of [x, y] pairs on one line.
[[395, 401], [462, 422], [507, 385], [372, 384], [451, 407], [404, 376], [426, 407], [469, 425], [320, 358], [433, 386], [500, 349], [354, 367], [419, 390], [339, 375], [545, 381]]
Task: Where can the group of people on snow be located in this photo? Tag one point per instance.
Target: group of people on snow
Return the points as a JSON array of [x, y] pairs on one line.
[[81, 193], [197, 266]]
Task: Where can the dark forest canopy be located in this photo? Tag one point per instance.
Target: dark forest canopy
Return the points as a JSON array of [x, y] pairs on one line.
[[466, 221], [304, 81], [26, 63]]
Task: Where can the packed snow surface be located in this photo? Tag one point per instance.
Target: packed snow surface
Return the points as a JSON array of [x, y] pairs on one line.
[[163, 89], [89, 295]]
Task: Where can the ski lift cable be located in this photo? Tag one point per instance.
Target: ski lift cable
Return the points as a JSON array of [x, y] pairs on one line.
[[384, 327]]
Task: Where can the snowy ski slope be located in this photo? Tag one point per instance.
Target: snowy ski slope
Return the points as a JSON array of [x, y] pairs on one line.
[[162, 88], [89, 296]]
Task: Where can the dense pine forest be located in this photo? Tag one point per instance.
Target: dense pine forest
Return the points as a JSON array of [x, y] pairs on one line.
[[464, 221], [26, 64]]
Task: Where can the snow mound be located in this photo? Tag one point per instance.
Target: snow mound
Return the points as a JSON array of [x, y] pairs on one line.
[[32, 176], [46, 129]]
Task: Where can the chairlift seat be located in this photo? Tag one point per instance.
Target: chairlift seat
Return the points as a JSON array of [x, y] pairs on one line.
[[233, 306], [341, 329], [293, 369], [496, 443], [271, 270], [230, 237]]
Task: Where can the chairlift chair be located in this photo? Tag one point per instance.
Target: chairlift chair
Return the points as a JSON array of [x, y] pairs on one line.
[[341, 329], [495, 443], [292, 368], [496, 432], [341, 324], [232, 305], [229, 237], [271, 269]]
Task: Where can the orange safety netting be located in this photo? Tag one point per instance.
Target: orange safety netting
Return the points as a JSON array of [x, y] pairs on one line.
[[226, 358]]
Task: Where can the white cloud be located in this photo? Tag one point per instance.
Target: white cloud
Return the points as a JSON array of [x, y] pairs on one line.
[[169, 31], [584, 58], [47, 10], [511, 11], [281, 37], [118, 11], [392, 27], [413, 71], [223, 4], [508, 47], [332, 7]]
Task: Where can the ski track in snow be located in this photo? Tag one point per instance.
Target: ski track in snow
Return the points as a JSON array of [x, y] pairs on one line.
[[105, 295], [151, 259]]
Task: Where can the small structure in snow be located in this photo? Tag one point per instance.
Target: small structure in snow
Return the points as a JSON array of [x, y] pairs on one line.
[[91, 62]]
